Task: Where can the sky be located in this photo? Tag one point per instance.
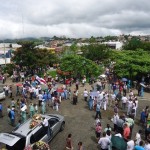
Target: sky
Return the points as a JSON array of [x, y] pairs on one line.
[[73, 18]]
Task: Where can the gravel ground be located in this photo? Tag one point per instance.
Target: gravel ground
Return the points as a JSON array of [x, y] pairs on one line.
[[79, 121]]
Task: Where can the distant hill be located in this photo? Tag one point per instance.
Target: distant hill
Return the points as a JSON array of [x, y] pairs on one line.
[[41, 39]]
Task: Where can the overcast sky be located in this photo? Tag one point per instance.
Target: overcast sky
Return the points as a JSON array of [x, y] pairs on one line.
[[73, 18]]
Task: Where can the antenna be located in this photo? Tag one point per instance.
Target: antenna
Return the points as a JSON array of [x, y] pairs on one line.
[[22, 25]]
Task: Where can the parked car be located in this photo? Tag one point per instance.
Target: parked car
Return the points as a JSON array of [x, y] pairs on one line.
[[24, 135], [2, 94]]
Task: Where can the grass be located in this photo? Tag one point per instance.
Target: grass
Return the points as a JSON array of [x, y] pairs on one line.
[[52, 73]]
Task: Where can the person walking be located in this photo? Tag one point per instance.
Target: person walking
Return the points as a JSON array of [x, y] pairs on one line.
[[12, 116], [69, 145], [32, 110], [114, 120], [90, 103], [124, 101], [85, 94], [104, 142], [80, 146], [43, 108], [1, 110], [126, 132], [98, 113], [23, 113], [98, 131], [74, 98]]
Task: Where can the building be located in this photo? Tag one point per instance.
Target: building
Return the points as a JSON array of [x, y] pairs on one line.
[[6, 52], [114, 45]]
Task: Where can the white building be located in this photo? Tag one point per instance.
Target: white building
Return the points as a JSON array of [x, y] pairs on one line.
[[114, 45]]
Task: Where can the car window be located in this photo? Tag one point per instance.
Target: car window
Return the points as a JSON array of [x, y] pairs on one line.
[[38, 135], [52, 121]]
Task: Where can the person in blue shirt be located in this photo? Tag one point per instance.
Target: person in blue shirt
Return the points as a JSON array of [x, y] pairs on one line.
[[1, 110], [140, 146], [12, 116], [45, 96], [49, 98]]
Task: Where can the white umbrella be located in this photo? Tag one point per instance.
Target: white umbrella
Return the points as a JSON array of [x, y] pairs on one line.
[[103, 75]]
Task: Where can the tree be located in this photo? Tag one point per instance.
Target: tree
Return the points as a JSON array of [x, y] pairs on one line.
[[96, 52], [131, 63], [133, 44], [32, 57], [79, 66]]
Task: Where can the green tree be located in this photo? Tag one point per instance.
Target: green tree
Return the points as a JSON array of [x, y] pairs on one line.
[[96, 52], [79, 66], [29, 55], [133, 44], [131, 63]]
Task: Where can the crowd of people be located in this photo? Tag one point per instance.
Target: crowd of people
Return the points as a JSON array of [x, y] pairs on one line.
[[31, 97], [121, 99]]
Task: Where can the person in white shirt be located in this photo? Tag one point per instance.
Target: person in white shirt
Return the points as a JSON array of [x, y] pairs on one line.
[[36, 91], [130, 145], [100, 98], [138, 137], [104, 142], [114, 120], [40, 96], [124, 101], [147, 145], [129, 106], [85, 94]]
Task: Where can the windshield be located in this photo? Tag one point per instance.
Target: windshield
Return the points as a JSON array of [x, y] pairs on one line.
[[20, 145]]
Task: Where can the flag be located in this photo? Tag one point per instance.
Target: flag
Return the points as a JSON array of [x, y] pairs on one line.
[[40, 80]]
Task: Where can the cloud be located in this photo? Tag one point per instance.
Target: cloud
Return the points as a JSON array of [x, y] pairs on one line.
[[73, 18]]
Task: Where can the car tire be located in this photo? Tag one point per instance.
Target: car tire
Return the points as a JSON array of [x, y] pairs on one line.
[[62, 126]]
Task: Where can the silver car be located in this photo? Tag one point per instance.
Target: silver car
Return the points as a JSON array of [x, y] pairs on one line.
[[24, 136]]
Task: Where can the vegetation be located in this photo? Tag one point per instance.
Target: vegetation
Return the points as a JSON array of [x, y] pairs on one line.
[[131, 63], [135, 44], [96, 52], [29, 55], [79, 66]]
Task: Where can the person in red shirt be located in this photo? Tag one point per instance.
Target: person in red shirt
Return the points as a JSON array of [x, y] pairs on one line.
[[126, 132]]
